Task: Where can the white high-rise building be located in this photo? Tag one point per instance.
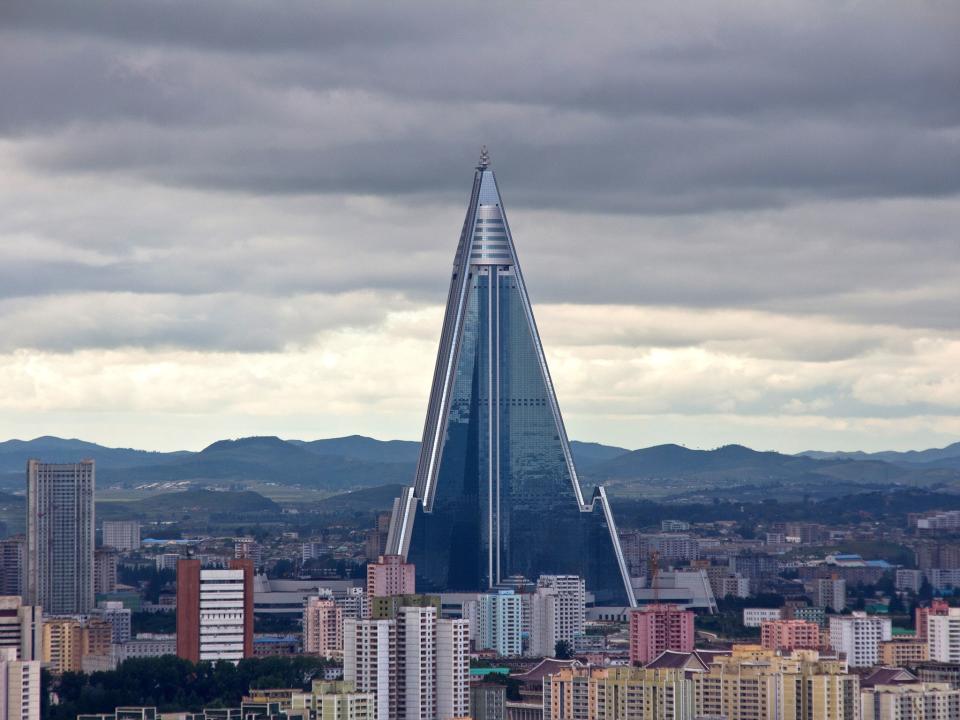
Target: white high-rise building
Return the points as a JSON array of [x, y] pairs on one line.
[[453, 669], [416, 665], [124, 535], [21, 628], [369, 661], [215, 611], [558, 609], [496, 622], [416, 662], [58, 561], [858, 636], [222, 614], [943, 636], [19, 687]]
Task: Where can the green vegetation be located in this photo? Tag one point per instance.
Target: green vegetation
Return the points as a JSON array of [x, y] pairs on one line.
[[170, 683], [563, 650], [146, 577], [278, 624], [167, 505], [886, 507], [148, 622]]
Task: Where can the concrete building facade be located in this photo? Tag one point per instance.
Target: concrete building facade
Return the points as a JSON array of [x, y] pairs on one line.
[[215, 611], [656, 628], [58, 558], [323, 627]]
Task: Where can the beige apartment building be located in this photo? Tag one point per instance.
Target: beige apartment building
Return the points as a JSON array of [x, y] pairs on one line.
[[625, 693], [754, 683]]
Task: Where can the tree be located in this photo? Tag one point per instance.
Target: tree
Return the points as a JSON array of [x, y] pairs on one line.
[[563, 650], [173, 684]]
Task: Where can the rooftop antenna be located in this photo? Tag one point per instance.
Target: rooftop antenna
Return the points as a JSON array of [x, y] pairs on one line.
[[484, 159]]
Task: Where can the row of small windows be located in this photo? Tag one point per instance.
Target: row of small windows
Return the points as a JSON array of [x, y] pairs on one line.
[[490, 221]]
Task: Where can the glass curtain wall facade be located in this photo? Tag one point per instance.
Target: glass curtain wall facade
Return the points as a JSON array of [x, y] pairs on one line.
[[496, 492]]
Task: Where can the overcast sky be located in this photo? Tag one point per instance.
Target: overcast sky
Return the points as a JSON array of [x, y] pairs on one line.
[[739, 222]]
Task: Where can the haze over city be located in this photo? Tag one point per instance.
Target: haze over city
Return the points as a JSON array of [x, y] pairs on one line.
[[737, 223]]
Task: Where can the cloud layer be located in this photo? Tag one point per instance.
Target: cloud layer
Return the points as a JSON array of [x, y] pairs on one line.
[[738, 223]]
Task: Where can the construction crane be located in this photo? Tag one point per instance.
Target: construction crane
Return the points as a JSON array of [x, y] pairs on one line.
[[653, 569]]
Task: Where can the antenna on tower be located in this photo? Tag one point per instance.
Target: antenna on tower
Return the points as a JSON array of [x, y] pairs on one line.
[[484, 159]]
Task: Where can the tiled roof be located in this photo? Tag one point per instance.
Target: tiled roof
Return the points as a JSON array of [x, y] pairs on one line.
[[888, 676]]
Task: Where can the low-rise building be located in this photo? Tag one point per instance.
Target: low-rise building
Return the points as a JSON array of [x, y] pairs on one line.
[[146, 645], [755, 617], [903, 651], [334, 701], [787, 635]]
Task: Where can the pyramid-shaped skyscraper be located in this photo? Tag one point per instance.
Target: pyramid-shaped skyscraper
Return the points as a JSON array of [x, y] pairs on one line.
[[496, 493]]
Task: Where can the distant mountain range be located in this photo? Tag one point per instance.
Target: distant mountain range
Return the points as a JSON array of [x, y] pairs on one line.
[[351, 463], [947, 457]]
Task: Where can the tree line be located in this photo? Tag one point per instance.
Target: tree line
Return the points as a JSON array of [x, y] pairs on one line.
[[170, 683]]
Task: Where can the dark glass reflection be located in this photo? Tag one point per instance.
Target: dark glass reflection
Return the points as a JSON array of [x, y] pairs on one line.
[[538, 520]]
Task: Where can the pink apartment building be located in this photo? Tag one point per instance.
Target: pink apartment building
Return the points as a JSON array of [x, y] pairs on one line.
[[789, 635], [322, 627], [390, 576], [656, 628]]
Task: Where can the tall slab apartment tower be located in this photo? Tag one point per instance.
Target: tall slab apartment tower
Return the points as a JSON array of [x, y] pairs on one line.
[[496, 492], [58, 558]]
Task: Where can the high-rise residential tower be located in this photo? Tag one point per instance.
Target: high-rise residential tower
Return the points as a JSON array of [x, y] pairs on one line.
[[496, 622], [496, 492], [215, 611], [656, 628], [557, 613], [11, 565], [415, 664], [389, 576], [322, 627], [124, 535], [58, 558]]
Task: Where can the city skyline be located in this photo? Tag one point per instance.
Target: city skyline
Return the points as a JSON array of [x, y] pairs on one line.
[[769, 213]]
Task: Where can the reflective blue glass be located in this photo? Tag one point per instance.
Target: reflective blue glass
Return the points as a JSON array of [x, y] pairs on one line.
[[496, 491]]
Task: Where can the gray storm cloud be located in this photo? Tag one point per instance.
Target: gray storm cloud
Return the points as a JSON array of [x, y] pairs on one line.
[[775, 183]]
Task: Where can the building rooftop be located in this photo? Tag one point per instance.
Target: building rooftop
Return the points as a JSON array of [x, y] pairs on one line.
[[888, 676], [547, 666]]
